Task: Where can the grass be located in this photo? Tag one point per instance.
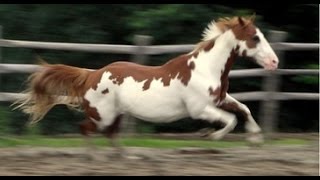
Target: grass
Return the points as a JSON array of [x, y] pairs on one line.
[[41, 141]]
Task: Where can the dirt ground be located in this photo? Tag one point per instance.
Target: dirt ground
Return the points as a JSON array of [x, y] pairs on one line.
[[265, 160]]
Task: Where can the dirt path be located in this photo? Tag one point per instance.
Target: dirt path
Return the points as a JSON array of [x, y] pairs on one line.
[[266, 160]]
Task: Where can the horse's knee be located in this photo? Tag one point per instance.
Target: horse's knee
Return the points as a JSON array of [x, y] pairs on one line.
[[230, 122], [87, 126], [238, 108], [252, 127]]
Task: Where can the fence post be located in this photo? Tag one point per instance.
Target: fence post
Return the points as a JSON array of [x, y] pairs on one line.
[[129, 122], [1, 55], [270, 107]]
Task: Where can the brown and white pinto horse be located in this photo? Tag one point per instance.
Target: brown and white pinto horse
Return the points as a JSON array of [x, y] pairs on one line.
[[191, 85]]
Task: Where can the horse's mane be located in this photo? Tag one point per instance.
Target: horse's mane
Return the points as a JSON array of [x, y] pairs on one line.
[[216, 28]]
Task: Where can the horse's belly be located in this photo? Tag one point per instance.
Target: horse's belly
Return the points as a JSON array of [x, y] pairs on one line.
[[156, 111], [157, 104]]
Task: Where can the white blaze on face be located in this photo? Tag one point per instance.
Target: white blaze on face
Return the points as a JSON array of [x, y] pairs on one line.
[[265, 55], [262, 53]]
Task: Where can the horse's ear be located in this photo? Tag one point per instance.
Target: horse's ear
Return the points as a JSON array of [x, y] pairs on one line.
[[241, 21], [40, 60], [253, 17]]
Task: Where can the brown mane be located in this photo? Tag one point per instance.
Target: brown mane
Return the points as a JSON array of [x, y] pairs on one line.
[[227, 23], [222, 25]]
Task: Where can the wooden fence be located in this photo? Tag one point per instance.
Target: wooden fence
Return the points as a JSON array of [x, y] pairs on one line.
[[142, 48]]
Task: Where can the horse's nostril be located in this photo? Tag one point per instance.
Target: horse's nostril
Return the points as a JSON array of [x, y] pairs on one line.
[[274, 62]]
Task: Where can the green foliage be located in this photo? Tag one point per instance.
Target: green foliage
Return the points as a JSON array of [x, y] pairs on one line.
[[184, 22], [4, 118], [60, 120], [313, 80], [308, 79]]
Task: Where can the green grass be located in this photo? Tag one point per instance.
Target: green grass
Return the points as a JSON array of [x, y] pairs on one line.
[[289, 141], [165, 143], [134, 142]]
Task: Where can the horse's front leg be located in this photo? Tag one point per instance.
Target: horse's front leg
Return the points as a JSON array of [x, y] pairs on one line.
[[232, 105]]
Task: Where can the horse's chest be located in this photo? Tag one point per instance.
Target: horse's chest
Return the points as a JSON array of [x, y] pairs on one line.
[[218, 93], [223, 90]]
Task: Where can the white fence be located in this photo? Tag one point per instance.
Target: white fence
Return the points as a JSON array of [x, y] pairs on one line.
[[142, 49]]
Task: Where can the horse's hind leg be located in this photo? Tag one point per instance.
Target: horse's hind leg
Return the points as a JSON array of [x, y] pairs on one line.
[[87, 127], [111, 133]]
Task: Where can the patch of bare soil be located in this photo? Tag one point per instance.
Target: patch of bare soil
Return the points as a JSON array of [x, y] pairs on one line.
[[265, 160]]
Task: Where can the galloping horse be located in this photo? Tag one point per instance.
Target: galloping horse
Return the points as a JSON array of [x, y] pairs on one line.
[[191, 85]]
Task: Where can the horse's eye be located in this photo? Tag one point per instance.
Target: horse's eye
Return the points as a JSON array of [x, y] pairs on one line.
[[256, 39]]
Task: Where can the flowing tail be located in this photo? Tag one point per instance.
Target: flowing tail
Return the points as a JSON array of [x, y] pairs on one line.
[[52, 85]]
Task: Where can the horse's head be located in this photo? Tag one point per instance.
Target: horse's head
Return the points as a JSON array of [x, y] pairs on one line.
[[252, 43]]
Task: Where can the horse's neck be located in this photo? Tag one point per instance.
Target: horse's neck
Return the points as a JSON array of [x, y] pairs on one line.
[[218, 61]]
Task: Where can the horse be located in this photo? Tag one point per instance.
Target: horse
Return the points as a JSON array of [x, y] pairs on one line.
[[193, 84]]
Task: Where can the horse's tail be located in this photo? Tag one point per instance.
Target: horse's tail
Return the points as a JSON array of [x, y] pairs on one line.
[[52, 85]]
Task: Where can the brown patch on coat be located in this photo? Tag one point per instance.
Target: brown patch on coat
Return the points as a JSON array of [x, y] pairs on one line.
[[237, 49], [175, 68], [215, 93], [234, 108], [192, 65], [94, 79], [105, 91], [87, 126], [208, 46], [246, 33], [91, 112], [114, 128], [244, 53], [219, 93], [204, 45]]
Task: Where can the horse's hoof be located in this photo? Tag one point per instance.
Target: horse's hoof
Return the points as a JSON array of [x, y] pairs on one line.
[[216, 136], [206, 132], [255, 139]]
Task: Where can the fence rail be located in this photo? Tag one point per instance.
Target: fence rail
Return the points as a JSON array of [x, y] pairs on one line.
[[29, 68], [131, 49], [243, 96]]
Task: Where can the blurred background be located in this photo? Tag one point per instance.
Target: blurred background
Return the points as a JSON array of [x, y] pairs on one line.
[[167, 24]]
